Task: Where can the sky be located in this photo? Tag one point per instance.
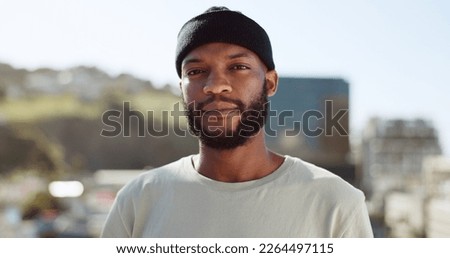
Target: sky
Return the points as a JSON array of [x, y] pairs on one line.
[[394, 54]]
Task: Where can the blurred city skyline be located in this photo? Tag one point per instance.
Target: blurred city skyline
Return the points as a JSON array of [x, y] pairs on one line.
[[394, 55]]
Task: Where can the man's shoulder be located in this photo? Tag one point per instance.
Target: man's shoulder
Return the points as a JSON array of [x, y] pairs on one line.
[[158, 176], [309, 170], [321, 180]]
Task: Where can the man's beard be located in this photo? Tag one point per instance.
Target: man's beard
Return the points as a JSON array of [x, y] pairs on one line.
[[252, 120]]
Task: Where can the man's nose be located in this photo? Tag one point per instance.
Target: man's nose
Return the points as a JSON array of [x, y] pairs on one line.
[[217, 84]]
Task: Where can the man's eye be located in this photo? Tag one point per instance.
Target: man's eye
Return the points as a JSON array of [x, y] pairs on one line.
[[240, 67], [194, 72]]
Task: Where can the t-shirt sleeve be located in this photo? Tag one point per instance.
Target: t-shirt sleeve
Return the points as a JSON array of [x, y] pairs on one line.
[[358, 226], [117, 224]]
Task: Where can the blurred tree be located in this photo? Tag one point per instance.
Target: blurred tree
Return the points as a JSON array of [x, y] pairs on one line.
[[23, 147], [43, 208], [2, 90], [39, 203], [85, 148]]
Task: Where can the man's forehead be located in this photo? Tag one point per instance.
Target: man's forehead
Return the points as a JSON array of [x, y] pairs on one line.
[[229, 51]]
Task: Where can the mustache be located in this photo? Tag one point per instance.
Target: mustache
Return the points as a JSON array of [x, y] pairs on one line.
[[200, 105]]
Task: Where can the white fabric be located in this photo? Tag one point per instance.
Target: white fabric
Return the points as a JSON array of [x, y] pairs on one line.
[[297, 200]]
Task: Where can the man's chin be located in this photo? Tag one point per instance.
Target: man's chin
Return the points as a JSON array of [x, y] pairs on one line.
[[220, 143], [225, 140]]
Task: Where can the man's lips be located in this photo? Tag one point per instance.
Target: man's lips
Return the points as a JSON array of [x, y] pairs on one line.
[[221, 112], [222, 107]]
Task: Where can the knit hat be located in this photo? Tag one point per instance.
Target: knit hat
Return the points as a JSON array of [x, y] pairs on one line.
[[219, 24]]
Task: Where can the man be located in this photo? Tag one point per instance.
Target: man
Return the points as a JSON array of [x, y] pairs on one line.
[[235, 186]]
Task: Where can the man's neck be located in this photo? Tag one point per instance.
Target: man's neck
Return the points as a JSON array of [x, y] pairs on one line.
[[244, 163]]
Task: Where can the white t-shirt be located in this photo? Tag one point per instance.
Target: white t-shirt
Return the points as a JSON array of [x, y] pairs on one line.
[[297, 200]]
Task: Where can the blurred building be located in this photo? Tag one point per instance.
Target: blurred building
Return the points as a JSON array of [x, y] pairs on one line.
[[424, 211], [309, 119], [436, 170], [404, 214], [393, 155]]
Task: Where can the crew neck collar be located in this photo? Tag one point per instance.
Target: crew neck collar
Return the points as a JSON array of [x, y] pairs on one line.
[[227, 186]]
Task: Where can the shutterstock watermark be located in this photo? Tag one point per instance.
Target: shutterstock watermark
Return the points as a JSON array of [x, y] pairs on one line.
[[311, 123]]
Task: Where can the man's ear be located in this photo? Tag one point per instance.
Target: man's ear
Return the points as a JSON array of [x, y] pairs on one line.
[[272, 82], [180, 84]]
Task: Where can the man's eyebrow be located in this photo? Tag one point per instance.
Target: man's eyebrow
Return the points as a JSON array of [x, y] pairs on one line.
[[238, 55], [191, 60]]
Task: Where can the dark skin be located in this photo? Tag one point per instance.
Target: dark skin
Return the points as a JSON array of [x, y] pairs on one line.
[[237, 73]]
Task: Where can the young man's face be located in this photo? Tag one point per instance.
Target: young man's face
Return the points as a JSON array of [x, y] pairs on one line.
[[225, 89]]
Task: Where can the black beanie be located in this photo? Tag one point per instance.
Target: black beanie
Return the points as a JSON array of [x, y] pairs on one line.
[[219, 24]]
